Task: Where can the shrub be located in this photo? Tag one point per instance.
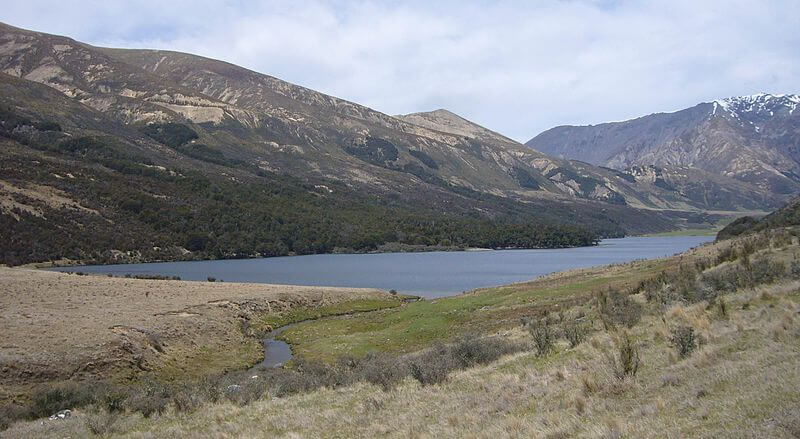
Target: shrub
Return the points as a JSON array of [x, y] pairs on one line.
[[211, 279], [382, 370], [722, 307], [625, 360], [617, 308], [684, 340], [795, 270], [51, 400], [432, 366], [726, 254], [101, 423], [574, 331], [149, 399], [767, 271], [10, 413], [170, 134], [190, 397], [246, 392], [542, 335], [470, 351], [719, 280], [684, 286]]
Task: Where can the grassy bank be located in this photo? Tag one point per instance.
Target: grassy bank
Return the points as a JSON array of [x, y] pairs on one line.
[[272, 321], [417, 325]]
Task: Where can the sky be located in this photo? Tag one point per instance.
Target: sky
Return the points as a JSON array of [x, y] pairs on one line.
[[517, 67]]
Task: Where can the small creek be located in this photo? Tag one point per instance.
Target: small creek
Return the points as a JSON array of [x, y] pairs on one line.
[[276, 352]]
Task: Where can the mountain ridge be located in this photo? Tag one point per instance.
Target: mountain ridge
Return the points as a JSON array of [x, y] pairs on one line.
[[752, 138]]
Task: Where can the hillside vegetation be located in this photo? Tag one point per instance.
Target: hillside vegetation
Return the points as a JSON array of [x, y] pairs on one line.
[[786, 216], [84, 180]]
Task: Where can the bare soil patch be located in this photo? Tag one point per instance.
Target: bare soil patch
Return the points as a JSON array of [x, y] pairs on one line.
[[59, 327]]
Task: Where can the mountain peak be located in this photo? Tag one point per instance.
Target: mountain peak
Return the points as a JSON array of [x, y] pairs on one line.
[[448, 122], [759, 103]]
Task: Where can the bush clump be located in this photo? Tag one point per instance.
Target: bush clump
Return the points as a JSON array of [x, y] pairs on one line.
[[101, 422], [433, 365], [684, 340], [574, 331], [149, 399], [617, 308], [543, 336], [625, 360], [69, 396], [381, 369]]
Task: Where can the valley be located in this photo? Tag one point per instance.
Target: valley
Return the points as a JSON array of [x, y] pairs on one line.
[[192, 248], [158, 144]]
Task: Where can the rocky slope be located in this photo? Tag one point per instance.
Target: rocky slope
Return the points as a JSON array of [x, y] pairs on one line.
[[285, 128], [753, 139]]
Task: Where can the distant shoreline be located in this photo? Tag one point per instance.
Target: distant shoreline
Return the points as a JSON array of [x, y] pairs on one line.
[[386, 249]]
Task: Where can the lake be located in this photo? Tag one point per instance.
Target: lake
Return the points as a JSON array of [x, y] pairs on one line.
[[430, 275]]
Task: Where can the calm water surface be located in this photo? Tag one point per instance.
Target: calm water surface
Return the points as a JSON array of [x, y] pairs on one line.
[[430, 275]]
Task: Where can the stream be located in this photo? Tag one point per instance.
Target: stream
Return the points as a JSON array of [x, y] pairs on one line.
[[276, 352]]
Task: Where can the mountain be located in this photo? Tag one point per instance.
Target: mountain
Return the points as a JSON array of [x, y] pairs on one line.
[[119, 154], [752, 139]]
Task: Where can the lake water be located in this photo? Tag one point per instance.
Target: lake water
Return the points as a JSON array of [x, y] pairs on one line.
[[429, 275]]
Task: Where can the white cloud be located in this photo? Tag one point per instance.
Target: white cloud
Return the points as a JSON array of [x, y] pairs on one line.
[[518, 67]]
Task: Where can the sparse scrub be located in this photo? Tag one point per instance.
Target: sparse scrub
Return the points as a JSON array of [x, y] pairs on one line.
[[684, 340], [69, 396], [433, 366], [726, 254], [617, 308], [794, 269], [575, 332], [101, 422], [543, 336], [149, 399], [625, 360], [10, 413], [578, 398], [382, 370]]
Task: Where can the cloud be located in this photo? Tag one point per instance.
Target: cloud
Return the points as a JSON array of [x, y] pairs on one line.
[[517, 67]]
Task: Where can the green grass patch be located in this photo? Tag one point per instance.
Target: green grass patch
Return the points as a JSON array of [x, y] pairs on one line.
[[707, 231], [418, 325], [299, 314]]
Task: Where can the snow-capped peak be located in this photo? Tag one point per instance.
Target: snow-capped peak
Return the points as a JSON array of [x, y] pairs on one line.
[[761, 104]]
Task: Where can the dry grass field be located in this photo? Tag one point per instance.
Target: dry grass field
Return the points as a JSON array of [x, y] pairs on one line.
[[59, 327]]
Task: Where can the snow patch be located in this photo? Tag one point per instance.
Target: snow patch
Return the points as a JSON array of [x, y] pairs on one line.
[[764, 104]]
